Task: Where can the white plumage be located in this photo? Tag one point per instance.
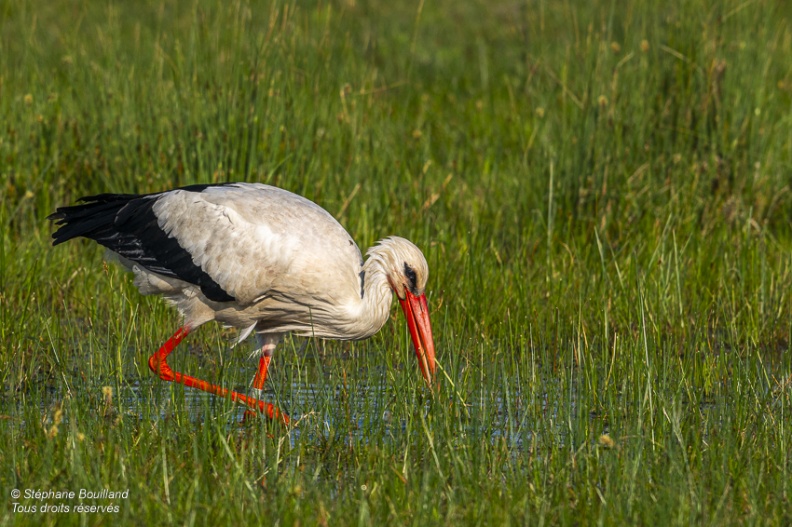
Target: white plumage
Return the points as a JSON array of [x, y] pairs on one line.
[[258, 258]]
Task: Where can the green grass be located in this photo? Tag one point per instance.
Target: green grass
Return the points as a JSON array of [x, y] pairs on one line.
[[602, 191]]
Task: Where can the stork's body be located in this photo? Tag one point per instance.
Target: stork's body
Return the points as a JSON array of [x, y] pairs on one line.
[[257, 258]]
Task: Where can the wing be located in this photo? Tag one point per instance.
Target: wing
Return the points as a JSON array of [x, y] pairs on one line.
[[237, 242], [252, 239]]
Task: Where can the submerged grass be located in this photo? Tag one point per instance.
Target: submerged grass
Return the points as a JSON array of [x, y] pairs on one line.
[[602, 193]]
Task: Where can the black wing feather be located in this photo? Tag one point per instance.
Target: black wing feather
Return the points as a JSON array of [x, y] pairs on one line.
[[126, 224]]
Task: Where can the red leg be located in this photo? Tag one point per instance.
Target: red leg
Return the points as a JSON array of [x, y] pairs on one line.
[[267, 347], [159, 365], [261, 374]]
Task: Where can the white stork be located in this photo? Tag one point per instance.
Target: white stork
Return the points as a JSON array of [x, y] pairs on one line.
[[257, 258]]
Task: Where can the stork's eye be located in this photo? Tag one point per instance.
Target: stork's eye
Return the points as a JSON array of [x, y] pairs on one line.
[[409, 272]]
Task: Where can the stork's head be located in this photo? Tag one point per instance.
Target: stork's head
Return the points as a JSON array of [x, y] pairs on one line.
[[407, 272]]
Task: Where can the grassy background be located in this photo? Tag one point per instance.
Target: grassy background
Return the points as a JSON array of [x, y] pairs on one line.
[[602, 190]]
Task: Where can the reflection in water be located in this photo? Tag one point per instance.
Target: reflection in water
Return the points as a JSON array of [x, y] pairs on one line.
[[367, 404]]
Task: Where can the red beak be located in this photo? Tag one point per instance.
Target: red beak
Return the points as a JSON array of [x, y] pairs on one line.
[[417, 313]]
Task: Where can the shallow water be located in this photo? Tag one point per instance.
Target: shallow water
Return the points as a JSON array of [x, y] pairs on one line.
[[366, 411], [369, 405]]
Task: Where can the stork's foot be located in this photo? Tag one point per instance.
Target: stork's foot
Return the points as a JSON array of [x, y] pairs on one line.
[[159, 365]]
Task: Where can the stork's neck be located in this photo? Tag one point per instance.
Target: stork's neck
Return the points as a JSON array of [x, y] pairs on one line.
[[377, 296]]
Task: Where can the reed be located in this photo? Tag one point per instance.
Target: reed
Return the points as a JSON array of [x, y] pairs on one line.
[[602, 193]]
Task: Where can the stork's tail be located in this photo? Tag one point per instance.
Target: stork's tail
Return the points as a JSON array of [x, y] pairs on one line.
[[94, 218]]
